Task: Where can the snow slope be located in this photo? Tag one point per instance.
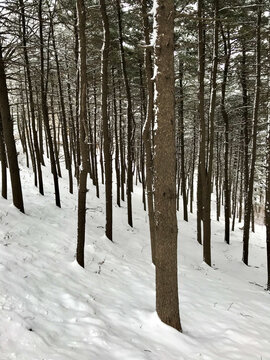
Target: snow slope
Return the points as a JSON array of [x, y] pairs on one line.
[[51, 309]]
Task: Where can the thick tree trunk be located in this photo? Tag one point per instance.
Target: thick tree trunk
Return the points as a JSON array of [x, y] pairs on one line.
[[167, 303], [9, 140]]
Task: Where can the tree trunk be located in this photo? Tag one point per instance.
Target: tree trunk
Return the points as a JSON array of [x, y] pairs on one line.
[[209, 166], [95, 135], [64, 118], [9, 140], [45, 110], [31, 100], [147, 128], [201, 167], [227, 192], [105, 119], [267, 207], [3, 162], [117, 164], [182, 143], [83, 140], [129, 117], [248, 201], [167, 302]]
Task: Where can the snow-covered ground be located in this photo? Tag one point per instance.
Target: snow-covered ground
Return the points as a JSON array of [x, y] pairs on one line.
[[51, 309]]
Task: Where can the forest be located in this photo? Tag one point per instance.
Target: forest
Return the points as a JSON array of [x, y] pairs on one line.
[[135, 179]]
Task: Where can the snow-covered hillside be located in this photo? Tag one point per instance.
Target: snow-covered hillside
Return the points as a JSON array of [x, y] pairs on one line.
[[51, 309]]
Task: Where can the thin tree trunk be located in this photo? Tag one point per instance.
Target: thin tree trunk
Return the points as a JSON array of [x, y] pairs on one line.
[[64, 119], [83, 144], [122, 146], [227, 195], [117, 165], [182, 143], [129, 117], [141, 156], [267, 206], [72, 131], [235, 190], [77, 92], [147, 128], [194, 155], [27, 126], [45, 109], [209, 166], [248, 201], [31, 100], [201, 167], [105, 118], [55, 137], [3, 162], [218, 178], [95, 135]]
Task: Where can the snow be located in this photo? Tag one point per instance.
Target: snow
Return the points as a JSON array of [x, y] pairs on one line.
[[52, 309]]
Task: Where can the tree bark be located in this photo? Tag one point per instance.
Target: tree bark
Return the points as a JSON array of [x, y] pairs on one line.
[[209, 167], [9, 140], [45, 109], [267, 207], [31, 100], [105, 119], [117, 164], [3, 162], [182, 142], [95, 135], [129, 117], [83, 140], [248, 201], [167, 302], [147, 127], [64, 118], [201, 167], [227, 190]]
